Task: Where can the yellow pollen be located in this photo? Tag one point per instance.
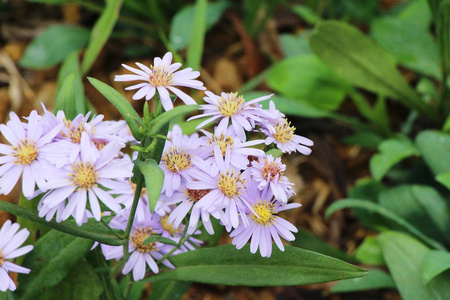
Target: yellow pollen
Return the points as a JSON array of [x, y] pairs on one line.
[[25, 153], [74, 133], [139, 236], [229, 184], [100, 144], [222, 141], [284, 132], [176, 160], [271, 167], [265, 211], [196, 195], [160, 76], [2, 259], [169, 227], [83, 175], [231, 104]]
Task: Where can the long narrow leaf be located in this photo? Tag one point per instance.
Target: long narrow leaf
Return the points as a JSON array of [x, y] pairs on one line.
[[154, 179], [168, 116], [198, 30]]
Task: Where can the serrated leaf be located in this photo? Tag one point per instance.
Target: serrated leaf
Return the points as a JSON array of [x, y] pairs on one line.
[[91, 230], [154, 179], [382, 211], [158, 238], [391, 152], [53, 45], [319, 86], [159, 122], [435, 148], [405, 258], [52, 258], [100, 33], [435, 263], [227, 265], [355, 58], [375, 279], [127, 111]]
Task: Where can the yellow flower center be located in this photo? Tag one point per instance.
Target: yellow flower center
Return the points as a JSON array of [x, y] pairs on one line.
[[229, 183], [83, 175], [168, 227], [160, 76], [2, 259], [74, 133], [176, 160], [265, 211], [25, 153], [196, 195], [284, 132], [100, 144], [271, 167], [231, 104], [222, 141], [139, 236]]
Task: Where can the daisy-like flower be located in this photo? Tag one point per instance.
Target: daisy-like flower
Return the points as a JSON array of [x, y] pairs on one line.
[[268, 172], [226, 188], [85, 178], [163, 77], [265, 224], [231, 107], [285, 139], [239, 151], [30, 151], [141, 255], [10, 241]]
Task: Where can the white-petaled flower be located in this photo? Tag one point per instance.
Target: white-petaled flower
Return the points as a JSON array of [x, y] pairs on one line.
[[163, 77], [264, 223], [85, 179], [30, 151], [10, 241], [268, 172], [231, 107], [285, 139]]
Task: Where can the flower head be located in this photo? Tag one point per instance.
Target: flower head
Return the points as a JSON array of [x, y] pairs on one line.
[[163, 77], [283, 135], [10, 241]]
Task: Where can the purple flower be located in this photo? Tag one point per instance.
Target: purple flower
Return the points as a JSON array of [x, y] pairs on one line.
[[285, 139], [83, 180], [264, 223], [268, 172], [10, 241], [30, 151], [231, 107], [163, 77]]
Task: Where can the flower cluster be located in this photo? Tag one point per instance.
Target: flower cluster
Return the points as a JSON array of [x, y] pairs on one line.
[[81, 170]]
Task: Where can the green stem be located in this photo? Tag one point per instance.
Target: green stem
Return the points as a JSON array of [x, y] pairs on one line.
[[111, 230]]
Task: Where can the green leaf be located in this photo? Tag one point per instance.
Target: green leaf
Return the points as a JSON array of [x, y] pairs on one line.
[[444, 179], [308, 241], [53, 45], [67, 98], [355, 58], [306, 13], [418, 12], [8, 295], [391, 152], [197, 38], [227, 265], [369, 252], [127, 111], [409, 43], [274, 152], [382, 211], [158, 238], [293, 45], [435, 148], [405, 257], [154, 179], [181, 27], [443, 38], [91, 230], [71, 66], [53, 257], [375, 279], [366, 139], [168, 116], [319, 86], [435, 263], [101, 32], [82, 283], [169, 290]]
